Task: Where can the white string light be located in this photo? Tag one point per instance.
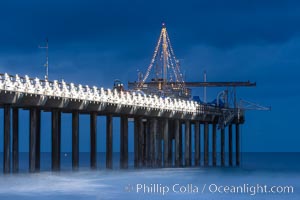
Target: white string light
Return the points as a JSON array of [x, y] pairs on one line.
[[70, 91]]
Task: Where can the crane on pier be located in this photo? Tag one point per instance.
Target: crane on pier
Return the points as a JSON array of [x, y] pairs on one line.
[[165, 75], [166, 80], [164, 72]]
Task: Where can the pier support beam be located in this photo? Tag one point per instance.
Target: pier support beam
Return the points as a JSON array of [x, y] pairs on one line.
[[230, 144], [15, 148], [109, 142], [6, 151], [124, 142], [32, 139], [158, 143], [141, 141], [137, 143], [214, 144], [93, 137], [75, 140], [223, 147], [197, 143], [56, 138], [149, 164], [187, 143], [237, 137], [38, 140], [166, 142], [153, 130], [146, 142], [178, 142], [206, 147], [170, 146]]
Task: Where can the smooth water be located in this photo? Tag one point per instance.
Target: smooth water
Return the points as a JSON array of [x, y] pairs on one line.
[[253, 180]]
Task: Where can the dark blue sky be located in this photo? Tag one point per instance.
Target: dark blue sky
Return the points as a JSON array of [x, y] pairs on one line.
[[95, 42]]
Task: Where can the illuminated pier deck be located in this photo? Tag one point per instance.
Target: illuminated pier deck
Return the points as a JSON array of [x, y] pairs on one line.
[[157, 123]]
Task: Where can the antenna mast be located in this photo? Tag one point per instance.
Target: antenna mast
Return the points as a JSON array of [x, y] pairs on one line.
[[165, 52], [204, 89], [47, 59]]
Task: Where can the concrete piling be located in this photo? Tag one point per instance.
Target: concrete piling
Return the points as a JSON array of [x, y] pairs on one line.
[[124, 142], [170, 143], [230, 144], [214, 144], [178, 143], [38, 140], [153, 129], [15, 145], [137, 141], [166, 142], [93, 140], [75, 140], [56, 134], [146, 142], [197, 143], [158, 143], [6, 152], [141, 141], [206, 144], [32, 139], [223, 147], [237, 137], [188, 148], [109, 142]]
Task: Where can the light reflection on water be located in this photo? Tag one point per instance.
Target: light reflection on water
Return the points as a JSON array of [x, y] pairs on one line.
[[269, 169]]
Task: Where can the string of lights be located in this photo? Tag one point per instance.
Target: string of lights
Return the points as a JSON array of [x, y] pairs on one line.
[[45, 89], [168, 61]]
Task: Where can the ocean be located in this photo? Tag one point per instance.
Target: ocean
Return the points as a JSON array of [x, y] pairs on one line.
[[260, 176]]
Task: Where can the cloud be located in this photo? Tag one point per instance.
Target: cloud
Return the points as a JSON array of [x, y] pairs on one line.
[[118, 23]]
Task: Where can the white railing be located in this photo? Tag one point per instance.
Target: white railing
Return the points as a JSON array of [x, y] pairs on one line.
[[35, 86]]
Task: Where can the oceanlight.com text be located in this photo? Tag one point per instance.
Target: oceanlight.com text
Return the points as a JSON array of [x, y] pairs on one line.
[[250, 189]]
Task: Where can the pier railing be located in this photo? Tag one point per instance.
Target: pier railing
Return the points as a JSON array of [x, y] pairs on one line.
[[34, 86]]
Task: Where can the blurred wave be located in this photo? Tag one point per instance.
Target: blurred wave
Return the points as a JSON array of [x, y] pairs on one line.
[[279, 169]]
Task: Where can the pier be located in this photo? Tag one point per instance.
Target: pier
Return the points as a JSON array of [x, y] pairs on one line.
[[160, 125], [171, 129]]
